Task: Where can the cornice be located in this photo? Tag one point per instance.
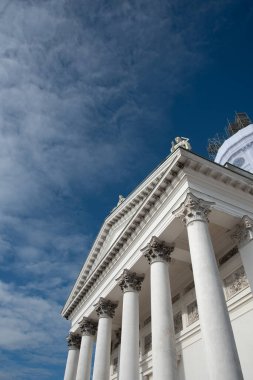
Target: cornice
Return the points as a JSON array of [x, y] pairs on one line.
[[154, 199]]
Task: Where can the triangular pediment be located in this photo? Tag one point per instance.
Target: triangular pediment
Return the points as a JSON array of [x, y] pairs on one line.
[[112, 236], [116, 223]]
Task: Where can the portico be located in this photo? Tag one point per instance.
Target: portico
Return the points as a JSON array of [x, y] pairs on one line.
[[161, 273]]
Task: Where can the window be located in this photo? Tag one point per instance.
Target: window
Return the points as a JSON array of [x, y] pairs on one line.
[[228, 255], [178, 323], [189, 287], [115, 365], [239, 162], [147, 343], [192, 311], [147, 321]]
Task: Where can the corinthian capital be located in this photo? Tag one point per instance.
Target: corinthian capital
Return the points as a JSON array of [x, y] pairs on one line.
[[193, 209], [157, 250], [105, 308], [130, 281], [243, 232], [88, 326], [73, 340]]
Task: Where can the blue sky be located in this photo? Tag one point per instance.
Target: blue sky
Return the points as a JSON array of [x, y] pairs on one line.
[[91, 95]]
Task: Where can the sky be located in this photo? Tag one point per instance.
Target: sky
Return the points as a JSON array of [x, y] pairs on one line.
[[91, 95]]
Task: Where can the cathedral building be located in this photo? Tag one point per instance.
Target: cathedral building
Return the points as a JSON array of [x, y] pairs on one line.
[[165, 292]]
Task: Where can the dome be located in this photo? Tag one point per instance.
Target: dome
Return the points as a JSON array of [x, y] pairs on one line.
[[238, 150]]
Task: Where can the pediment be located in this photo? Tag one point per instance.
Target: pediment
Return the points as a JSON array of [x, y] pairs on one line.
[[116, 223], [111, 237]]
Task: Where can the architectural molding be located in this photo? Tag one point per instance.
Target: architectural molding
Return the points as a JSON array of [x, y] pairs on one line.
[[148, 197], [73, 341], [157, 250], [243, 232], [193, 209], [88, 326], [105, 308], [130, 281]]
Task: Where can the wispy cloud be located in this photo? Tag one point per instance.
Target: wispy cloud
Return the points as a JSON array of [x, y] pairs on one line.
[[81, 85], [29, 324]]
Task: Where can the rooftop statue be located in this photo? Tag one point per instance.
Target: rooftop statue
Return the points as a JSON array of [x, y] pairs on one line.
[[121, 200], [180, 141]]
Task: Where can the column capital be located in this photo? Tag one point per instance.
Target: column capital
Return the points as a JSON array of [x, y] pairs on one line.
[[130, 281], [157, 250], [243, 232], [105, 308], [193, 209], [73, 341], [88, 326]]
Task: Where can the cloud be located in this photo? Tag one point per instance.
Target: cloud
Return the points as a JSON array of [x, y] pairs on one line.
[[21, 317], [31, 326], [43, 253], [83, 89], [74, 91]]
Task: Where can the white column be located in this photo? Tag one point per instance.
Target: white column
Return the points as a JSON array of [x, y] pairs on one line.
[[163, 335], [243, 235], [73, 355], [88, 329], [105, 310], [221, 352], [130, 284]]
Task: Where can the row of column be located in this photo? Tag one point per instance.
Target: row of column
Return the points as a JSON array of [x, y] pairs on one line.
[[221, 353]]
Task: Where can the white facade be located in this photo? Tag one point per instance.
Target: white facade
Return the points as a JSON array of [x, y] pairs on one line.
[[165, 290], [238, 150]]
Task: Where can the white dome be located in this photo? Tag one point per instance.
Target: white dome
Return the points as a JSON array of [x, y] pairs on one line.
[[238, 150]]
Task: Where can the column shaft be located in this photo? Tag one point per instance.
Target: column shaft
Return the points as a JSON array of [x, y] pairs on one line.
[[130, 284], [84, 363], [246, 252], [163, 338], [103, 346], [221, 353], [129, 352], [71, 365]]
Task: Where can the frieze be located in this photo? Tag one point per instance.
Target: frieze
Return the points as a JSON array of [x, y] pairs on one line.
[[235, 282]]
